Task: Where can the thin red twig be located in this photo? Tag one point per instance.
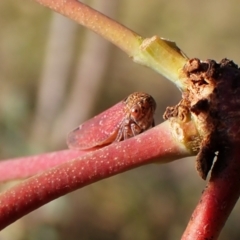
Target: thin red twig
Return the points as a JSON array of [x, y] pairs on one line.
[[24, 167], [114, 32]]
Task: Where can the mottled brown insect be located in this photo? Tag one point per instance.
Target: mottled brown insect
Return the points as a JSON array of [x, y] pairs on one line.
[[126, 119]]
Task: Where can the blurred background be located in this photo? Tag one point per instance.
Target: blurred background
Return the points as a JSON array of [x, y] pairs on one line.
[[54, 74]]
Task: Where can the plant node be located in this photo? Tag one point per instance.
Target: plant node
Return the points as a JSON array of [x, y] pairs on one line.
[[211, 100]]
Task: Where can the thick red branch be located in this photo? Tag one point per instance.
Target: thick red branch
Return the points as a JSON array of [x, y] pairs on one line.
[[218, 199], [91, 167]]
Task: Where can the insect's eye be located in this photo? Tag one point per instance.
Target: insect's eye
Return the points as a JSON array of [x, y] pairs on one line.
[[135, 112]]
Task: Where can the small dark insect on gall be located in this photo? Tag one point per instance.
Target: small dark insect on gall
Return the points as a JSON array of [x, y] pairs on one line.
[[126, 119]]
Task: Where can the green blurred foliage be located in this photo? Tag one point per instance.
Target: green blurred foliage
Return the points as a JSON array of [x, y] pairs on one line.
[[152, 202]]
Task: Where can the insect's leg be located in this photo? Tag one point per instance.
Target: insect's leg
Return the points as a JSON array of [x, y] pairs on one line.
[[120, 133], [125, 131], [135, 129]]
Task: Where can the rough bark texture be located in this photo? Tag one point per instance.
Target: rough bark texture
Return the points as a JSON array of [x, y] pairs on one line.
[[212, 100]]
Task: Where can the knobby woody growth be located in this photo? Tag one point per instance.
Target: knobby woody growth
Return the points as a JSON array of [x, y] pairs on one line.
[[212, 100]]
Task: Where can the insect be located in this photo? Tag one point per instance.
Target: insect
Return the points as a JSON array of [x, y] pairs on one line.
[[126, 119]]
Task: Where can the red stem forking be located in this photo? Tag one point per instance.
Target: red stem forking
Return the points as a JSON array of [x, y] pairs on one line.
[[218, 199], [91, 167]]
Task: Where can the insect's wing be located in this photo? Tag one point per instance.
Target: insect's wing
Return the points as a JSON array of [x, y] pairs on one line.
[[98, 131]]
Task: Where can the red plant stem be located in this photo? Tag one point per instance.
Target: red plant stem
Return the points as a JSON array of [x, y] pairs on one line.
[[114, 32], [94, 166], [161, 55], [25, 167], [217, 200]]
